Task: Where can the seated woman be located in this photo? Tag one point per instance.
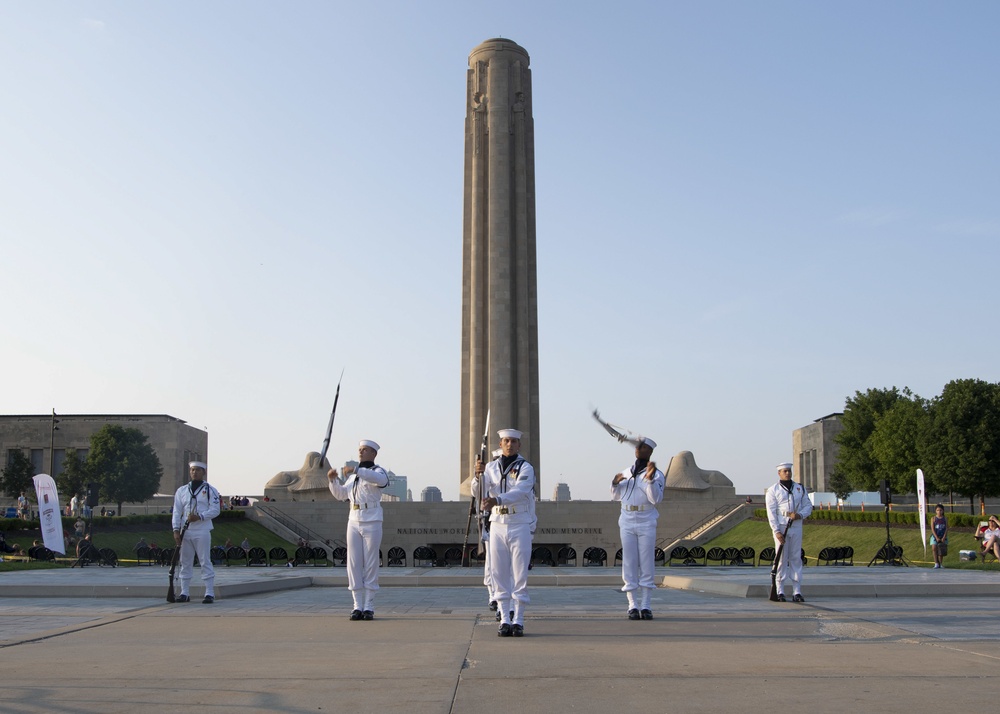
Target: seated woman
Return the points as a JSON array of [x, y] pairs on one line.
[[991, 537]]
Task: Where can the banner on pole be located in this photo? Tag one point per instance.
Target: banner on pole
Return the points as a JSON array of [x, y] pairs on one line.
[[922, 508], [49, 514]]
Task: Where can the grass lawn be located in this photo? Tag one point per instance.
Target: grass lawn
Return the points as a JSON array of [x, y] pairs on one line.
[[866, 539]]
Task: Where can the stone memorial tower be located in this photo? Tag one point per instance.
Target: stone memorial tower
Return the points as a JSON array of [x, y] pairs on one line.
[[499, 285]]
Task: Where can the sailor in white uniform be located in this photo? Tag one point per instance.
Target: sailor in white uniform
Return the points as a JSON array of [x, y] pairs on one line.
[[639, 488], [787, 502], [508, 489], [363, 488], [196, 503]]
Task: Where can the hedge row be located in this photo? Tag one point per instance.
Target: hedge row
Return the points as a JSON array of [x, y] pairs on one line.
[[17, 524], [955, 520]]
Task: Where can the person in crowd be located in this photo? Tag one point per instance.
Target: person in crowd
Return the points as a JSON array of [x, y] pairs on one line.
[[991, 537], [939, 536]]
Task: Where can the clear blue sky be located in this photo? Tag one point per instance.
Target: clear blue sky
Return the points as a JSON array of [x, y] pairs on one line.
[[746, 212]]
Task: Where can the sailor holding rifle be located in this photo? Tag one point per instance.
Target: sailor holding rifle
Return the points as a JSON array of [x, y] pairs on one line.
[[362, 486]]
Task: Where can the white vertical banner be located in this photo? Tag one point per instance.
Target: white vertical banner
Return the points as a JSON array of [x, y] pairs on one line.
[[49, 514], [922, 508]]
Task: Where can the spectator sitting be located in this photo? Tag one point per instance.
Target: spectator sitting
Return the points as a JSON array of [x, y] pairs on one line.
[[991, 537], [79, 527], [6, 547], [141, 544], [245, 545]]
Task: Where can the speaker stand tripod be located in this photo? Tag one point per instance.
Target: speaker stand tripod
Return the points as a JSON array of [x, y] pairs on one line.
[[889, 553]]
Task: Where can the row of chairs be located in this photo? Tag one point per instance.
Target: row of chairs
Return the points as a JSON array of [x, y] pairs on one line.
[[840, 555], [697, 555], [254, 557], [93, 554]]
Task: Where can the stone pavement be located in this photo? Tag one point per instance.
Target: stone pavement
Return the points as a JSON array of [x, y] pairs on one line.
[[95, 640]]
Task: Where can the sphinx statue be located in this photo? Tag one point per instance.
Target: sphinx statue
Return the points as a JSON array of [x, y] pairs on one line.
[[683, 474], [308, 483]]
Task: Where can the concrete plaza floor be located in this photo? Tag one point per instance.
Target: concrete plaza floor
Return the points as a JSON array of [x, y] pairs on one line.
[[279, 640]]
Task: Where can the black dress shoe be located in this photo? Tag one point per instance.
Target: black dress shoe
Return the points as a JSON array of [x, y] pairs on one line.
[[646, 614], [183, 598], [782, 598], [367, 615], [797, 597], [517, 630], [633, 614], [209, 599], [355, 614], [504, 630], [499, 616], [493, 605]]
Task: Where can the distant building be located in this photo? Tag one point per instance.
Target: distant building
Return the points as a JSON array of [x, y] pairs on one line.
[[431, 494], [46, 443], [396, 490], [561, 492], [815, 452]]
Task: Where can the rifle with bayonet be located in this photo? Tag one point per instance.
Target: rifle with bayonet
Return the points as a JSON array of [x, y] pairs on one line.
[[474, 502]]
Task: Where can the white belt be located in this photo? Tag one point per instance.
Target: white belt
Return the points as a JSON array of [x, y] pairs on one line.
[[506, 510], [643, 507], [363, 506]]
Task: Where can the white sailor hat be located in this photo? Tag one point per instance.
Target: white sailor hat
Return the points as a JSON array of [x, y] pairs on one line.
[[369, 443], [509, 434], [785, 465], [647, 441], [198, 465]]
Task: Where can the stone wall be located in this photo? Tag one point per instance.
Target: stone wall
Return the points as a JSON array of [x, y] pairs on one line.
[[577, 524]]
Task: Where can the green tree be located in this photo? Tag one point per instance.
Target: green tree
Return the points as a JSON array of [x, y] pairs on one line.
[[898, 441], [125, 465], [840, 486], [73, 479], [963, 444], [856, 463], [17, 475]]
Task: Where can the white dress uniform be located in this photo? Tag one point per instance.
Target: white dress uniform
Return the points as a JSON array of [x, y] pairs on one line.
[[363, 489], [779, 503], [511, 524], [637, 525], [204, 500]]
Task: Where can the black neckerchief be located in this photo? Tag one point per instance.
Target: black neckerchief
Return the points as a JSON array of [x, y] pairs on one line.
[[506, 466], [787, 485], [357, 479], [638, 467], [195, 491]]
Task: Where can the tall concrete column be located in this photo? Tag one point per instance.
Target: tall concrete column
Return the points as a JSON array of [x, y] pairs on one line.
[[499, 286]]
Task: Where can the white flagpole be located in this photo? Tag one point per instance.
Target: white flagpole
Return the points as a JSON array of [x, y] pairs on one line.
[[49, 515], [922, 506]]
